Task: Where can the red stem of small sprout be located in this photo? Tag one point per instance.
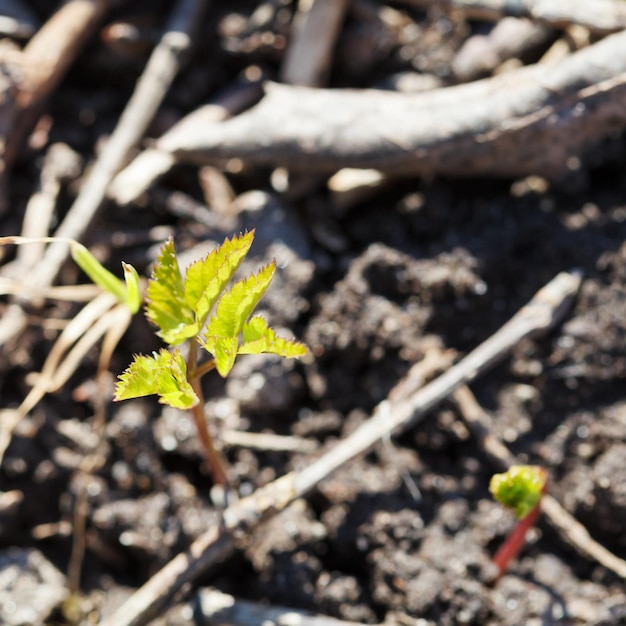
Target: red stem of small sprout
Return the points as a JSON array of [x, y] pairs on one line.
[[515, 541]]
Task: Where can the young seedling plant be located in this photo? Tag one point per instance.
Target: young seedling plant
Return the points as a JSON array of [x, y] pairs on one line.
[[197, 308], [520, 488]]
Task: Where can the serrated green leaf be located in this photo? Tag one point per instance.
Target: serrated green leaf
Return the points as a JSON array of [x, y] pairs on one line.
[[164, 374], [236, 305], [207, 278], [259, 338], [167, 307], [230, 321], [519, 488], [224, 349]]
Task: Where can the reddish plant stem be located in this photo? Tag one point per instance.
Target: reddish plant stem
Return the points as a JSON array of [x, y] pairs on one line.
[[515, 541], [203, 368], [215, 461]]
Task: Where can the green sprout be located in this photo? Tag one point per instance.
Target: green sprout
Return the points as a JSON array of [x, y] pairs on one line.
[[197, 307], [520, 488], [127, 292]]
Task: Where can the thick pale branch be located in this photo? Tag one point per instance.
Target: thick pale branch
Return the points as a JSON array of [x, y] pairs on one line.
[[529, 121], [600, 16]]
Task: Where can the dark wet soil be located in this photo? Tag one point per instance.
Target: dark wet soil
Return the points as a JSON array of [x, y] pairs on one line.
[[405, 534]]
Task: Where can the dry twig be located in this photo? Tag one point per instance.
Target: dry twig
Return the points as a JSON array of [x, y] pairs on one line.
[[402, 409], [156, 161], [160, 71], [60, 164], [314, 31], [266, 441], [36, 71], [151, 88], [215, 608], [46, 59]]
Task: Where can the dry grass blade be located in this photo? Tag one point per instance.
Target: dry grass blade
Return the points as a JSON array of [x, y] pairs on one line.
[[82, 332], [71, 293], [118, 320], [119, 316]]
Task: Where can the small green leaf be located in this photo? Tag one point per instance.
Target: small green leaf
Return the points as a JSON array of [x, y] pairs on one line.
[[133, 288], [128, 294], [97, 272], [167, 307], [259, 338], [519, 488], [163, 374], [224, 349], [231, 313], [207, 278], [236, 305]]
